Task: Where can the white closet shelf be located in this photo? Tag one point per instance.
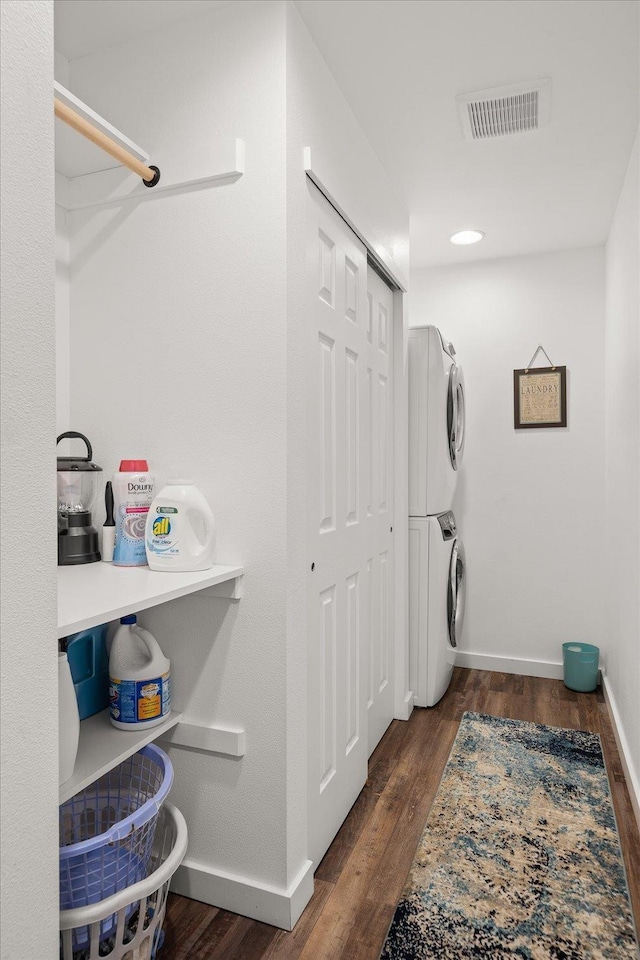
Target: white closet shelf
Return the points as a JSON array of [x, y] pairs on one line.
[[75, 156], [95, 593], [103, 747], [87, 176]]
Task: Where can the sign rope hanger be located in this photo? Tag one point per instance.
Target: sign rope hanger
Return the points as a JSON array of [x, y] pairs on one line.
[[530, 364], [540, 394], [150, 174]]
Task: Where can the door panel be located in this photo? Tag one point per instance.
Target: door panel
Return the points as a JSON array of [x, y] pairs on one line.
[[350, 495], [327, 638], [336, 325], [327, 437], [379, 515]]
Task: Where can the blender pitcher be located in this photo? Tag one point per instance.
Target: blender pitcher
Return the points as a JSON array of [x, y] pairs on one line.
[[77, 491]]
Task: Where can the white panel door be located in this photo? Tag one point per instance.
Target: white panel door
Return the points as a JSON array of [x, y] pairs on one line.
[[378, 420], [337, 578], [349, 492]]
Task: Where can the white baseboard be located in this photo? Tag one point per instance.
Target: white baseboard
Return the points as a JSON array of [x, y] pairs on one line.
[[259, 901], [527, 668], [405, 709], [633, 784]]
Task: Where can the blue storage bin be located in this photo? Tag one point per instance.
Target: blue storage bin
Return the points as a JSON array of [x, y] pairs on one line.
[[89, 665], [580, 666]]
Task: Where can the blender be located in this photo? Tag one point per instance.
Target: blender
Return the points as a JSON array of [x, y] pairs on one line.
[[77, 491]]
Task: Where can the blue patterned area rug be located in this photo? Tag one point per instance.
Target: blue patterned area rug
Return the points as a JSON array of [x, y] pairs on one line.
[[520, 855]]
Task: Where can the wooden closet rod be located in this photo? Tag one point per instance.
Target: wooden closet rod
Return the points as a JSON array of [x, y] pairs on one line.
[[150, 174]]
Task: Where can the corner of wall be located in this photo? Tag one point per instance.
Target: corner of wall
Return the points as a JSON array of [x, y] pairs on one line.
[[61, 68], [622, 482], [29, 807]]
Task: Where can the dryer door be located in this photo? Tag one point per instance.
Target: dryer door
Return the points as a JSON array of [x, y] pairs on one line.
[[456, 415], [456, 592]]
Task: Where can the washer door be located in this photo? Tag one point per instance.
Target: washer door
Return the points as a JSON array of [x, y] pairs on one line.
[[456, 592], [455, 415]]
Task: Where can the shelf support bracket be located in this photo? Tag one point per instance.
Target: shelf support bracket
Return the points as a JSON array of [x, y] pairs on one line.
[[228, 590], [229, 741]]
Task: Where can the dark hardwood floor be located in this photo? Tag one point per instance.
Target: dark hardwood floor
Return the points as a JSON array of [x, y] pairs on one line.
[[363, 873]]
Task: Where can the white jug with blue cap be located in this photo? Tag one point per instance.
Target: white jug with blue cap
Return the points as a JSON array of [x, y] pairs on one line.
[[139, 678]]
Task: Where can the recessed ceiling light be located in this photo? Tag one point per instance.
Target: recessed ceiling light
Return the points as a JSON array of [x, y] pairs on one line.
[[466, 236]]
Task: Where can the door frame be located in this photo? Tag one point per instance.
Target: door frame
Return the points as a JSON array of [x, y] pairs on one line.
[[379, 259]]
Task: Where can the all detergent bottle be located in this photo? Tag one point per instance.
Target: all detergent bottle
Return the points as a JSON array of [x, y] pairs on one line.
[[132, 494], [139, 678], [180, 532]]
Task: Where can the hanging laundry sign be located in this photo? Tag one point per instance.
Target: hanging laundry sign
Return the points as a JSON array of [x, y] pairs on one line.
[[540, 395]]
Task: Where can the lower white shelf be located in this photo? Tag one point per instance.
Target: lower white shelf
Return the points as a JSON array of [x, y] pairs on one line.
[[103, 747]]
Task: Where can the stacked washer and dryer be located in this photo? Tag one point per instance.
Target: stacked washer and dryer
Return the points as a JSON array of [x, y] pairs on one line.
[[436, 552]]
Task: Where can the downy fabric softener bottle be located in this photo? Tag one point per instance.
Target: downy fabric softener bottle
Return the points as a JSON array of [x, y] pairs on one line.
[[132, 494]]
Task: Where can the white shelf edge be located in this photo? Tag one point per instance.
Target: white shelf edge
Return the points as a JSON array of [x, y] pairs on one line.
[[85, 111], [96, 593], [223, 161], [229, 741], [102, 747]]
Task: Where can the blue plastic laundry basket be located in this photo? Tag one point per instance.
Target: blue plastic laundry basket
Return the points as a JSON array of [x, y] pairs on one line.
[[580, 663], [107, 831]]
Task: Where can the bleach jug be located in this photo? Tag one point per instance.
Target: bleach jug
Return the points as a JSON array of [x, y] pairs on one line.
[[180, 532], [139, 678], [132, 494]]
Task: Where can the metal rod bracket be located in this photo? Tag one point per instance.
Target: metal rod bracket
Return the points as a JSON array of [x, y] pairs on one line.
[[156, 178]]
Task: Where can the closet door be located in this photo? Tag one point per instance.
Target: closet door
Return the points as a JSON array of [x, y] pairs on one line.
[[338, 551], [350, 498], [378, 514]]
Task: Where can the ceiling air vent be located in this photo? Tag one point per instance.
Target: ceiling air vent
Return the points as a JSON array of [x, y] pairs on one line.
[[502, 111]]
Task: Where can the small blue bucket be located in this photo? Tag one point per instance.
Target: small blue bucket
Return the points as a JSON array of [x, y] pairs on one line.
[[580, 664]]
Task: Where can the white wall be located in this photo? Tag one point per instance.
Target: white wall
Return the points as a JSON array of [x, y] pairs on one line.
[[178, 355], [319, 117], [623, 467], [63, 338], [530, 502], [183, 349], [28, 697], [63, 332]]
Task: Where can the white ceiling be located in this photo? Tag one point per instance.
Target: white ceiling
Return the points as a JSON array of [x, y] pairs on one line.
[[400, 64], [84, 26]]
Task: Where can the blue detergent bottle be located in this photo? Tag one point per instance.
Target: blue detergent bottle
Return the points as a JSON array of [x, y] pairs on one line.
[[89, 664]]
